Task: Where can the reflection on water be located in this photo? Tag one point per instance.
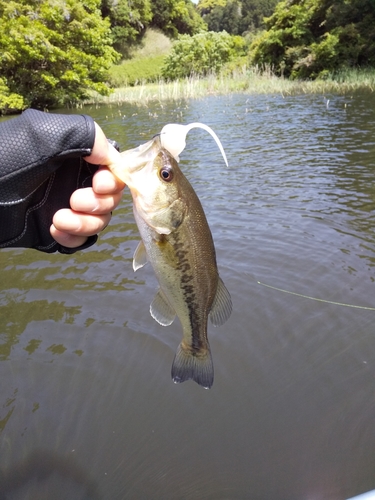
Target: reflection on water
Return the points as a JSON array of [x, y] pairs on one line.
[[86, 371]]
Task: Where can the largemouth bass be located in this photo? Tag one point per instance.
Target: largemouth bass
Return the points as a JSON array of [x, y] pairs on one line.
[[177, 241]]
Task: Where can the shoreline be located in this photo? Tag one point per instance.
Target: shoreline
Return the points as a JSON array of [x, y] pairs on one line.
[[249, 82]]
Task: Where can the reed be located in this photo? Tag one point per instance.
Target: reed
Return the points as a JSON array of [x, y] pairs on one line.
[[242, 80]]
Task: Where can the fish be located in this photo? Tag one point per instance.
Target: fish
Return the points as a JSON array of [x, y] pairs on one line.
[[176, 239]]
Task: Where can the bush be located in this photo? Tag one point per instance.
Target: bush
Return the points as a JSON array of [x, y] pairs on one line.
[[201, 54], [9, 102], [313, 38], [53, 53]]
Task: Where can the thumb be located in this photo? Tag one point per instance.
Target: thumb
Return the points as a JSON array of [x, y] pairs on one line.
[[103, 153]]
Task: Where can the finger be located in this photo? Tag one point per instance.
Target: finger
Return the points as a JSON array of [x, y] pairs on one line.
[[104, 182], [87, 201], [66, 239], [76, 223], [102, 152]]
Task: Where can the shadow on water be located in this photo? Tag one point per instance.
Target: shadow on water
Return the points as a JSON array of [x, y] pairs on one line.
[[84, 367], [46, 475]]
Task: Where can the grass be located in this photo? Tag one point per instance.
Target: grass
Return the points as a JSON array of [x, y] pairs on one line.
[[154, 42], [133, 71], [245, 80], [145, 61], [138, 79]]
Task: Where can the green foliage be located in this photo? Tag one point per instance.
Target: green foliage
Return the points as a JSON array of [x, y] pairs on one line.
[[250, 80], [52, 52], [235, 16], [234, 67], [201, 54], [134, 71], [9, 102], [145, 63], [128, 21], [176, 17], [153, 43], [312, 38], [225, 18], [254, 12], [206, 6]]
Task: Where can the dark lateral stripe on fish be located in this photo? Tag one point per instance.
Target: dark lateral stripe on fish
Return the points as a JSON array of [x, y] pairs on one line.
[[190, 297]]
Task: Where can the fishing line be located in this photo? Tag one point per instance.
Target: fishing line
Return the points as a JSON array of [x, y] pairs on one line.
[[316, 299]]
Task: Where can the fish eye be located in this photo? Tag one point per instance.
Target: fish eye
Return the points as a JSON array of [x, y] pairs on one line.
[[166, 174]]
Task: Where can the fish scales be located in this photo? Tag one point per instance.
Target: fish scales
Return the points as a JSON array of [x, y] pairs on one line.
[[177, 241], [181, 261]]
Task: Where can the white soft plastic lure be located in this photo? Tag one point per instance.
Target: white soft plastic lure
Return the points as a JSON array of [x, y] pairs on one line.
[[172, 138]]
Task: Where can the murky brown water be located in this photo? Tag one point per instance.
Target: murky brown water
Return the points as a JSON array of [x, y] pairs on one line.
[[87, 406]]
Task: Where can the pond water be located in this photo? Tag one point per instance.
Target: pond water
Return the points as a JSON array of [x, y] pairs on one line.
[[87, 406]]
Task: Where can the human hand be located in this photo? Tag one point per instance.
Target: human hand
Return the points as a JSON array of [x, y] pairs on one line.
[[91, 208]]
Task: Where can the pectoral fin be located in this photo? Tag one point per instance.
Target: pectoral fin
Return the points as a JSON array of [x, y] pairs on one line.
[[222, 305], [140, 256], [166, 221], [161, 310]]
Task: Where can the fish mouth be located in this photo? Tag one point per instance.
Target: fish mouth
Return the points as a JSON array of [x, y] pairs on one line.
[[136, 158]]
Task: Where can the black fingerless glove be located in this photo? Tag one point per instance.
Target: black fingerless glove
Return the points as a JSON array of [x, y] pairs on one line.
[[41, 165]]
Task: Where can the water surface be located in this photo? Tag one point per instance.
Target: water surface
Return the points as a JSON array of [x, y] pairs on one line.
[[87, 406]]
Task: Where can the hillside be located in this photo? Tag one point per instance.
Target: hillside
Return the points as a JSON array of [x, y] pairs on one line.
[[144, 63]]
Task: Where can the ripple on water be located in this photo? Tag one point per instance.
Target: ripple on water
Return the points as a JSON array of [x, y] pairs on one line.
[[86, 371]]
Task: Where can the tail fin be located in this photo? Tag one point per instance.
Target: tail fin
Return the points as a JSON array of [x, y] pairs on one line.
[[190, 365]]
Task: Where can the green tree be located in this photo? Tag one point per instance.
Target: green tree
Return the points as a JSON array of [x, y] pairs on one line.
[[52, 52], [235, 16], [254, 12], [201, 54], [9, 101], [225, 18], [206, 6], [311, 38], [129, 20], [176, 17]]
